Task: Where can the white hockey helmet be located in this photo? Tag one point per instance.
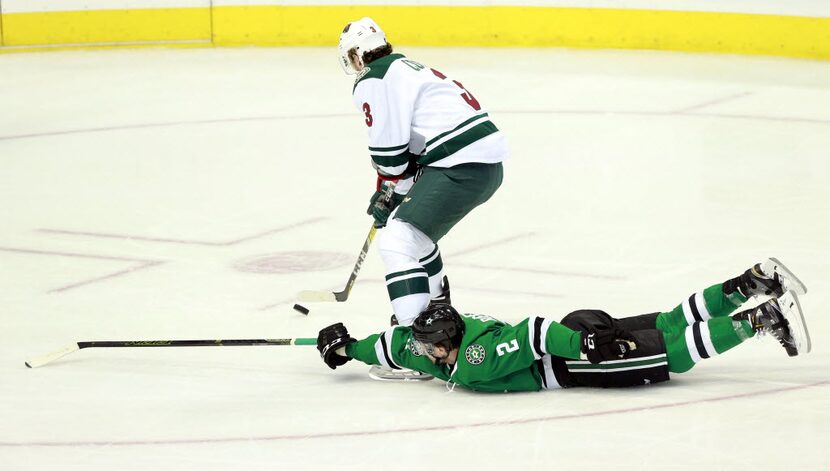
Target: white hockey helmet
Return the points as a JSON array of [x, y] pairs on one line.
[[361, 36]]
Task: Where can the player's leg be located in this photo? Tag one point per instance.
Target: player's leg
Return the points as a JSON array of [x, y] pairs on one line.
[[407, 280], [769, 278], [438, 200], [780, 317], [439, 286], [647, 364], [443, 196], [703, 340]]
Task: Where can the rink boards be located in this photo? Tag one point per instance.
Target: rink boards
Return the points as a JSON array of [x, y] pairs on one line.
[[799, 29]]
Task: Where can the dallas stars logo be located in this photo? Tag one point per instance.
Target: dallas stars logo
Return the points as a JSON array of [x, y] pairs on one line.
[[474, 354]]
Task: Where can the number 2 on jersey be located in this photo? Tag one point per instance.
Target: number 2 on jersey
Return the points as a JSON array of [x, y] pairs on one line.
[[505, 347], [467, 96]]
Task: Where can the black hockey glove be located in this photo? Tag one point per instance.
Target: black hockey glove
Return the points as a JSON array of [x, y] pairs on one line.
[[329, 340], [606, 345], [380, 207]]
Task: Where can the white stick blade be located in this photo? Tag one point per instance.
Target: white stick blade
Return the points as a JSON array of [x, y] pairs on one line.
[[44, 359], [316, 296]]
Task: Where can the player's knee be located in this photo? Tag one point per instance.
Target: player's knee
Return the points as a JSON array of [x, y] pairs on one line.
[[402, 239]]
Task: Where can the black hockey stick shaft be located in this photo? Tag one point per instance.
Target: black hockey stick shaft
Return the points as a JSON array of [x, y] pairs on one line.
[[42, 360], [195, 343]]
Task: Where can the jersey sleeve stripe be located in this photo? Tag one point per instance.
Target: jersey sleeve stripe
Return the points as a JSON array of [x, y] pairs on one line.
[[544, 336], [391, 160], [382, 350], [392, 149], [548, 375], [533, 325]]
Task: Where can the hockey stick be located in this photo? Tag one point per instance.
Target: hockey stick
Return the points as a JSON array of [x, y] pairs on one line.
[[340, 296], [49, 358]]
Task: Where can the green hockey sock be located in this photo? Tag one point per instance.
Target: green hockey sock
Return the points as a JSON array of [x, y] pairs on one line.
[[704, 340], [710, 303], [434, 266], [409, 293]]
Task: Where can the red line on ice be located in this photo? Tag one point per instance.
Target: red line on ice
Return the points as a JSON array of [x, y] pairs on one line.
[[366, 433]]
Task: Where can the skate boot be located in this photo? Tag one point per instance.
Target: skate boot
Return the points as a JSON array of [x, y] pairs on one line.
[[782, 318], [769, 278], [444, 297]]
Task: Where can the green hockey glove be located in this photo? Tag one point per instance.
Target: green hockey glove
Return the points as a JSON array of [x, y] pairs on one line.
[[380, 208]]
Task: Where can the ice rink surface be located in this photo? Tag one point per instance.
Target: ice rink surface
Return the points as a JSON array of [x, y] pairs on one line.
[[184, 194]]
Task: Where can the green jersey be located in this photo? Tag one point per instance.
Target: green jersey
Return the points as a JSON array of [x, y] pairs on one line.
[[494, 356]]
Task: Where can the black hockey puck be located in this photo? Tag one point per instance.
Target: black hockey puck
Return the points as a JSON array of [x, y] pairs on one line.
[[301, 309]]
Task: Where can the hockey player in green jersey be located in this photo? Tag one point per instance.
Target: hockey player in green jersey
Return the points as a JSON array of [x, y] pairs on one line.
[[588, 347], [433, 139]]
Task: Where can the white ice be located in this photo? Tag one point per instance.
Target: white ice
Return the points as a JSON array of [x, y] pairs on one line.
[[184, 194]]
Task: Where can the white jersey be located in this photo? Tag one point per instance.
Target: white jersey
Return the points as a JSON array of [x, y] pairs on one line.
[[416, 113]]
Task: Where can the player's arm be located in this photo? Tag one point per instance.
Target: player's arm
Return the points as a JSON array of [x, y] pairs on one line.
[[548, 337], [388, 105], [390, 349]]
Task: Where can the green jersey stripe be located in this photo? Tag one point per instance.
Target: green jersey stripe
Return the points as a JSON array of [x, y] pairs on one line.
[[436, 138], [389, 149], [391, 160], [457, 143]]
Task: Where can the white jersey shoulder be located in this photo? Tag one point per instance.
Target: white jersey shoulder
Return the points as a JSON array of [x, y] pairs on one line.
[[413, 111]]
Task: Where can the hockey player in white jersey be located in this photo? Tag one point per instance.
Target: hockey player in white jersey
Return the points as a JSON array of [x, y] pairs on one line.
[[430, 137]]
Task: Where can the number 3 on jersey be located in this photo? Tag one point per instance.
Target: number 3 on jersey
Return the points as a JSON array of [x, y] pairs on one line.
[[467, 96], [367, 110]]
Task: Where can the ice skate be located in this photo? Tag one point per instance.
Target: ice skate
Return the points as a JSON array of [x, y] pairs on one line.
[[770, 278], [782, 318]]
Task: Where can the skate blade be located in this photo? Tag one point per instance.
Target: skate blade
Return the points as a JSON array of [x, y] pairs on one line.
[[791, 309], [792, 282], [383, 374]]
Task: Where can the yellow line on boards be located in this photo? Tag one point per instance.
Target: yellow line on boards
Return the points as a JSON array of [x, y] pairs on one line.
[[106, 26], [499, 26]]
